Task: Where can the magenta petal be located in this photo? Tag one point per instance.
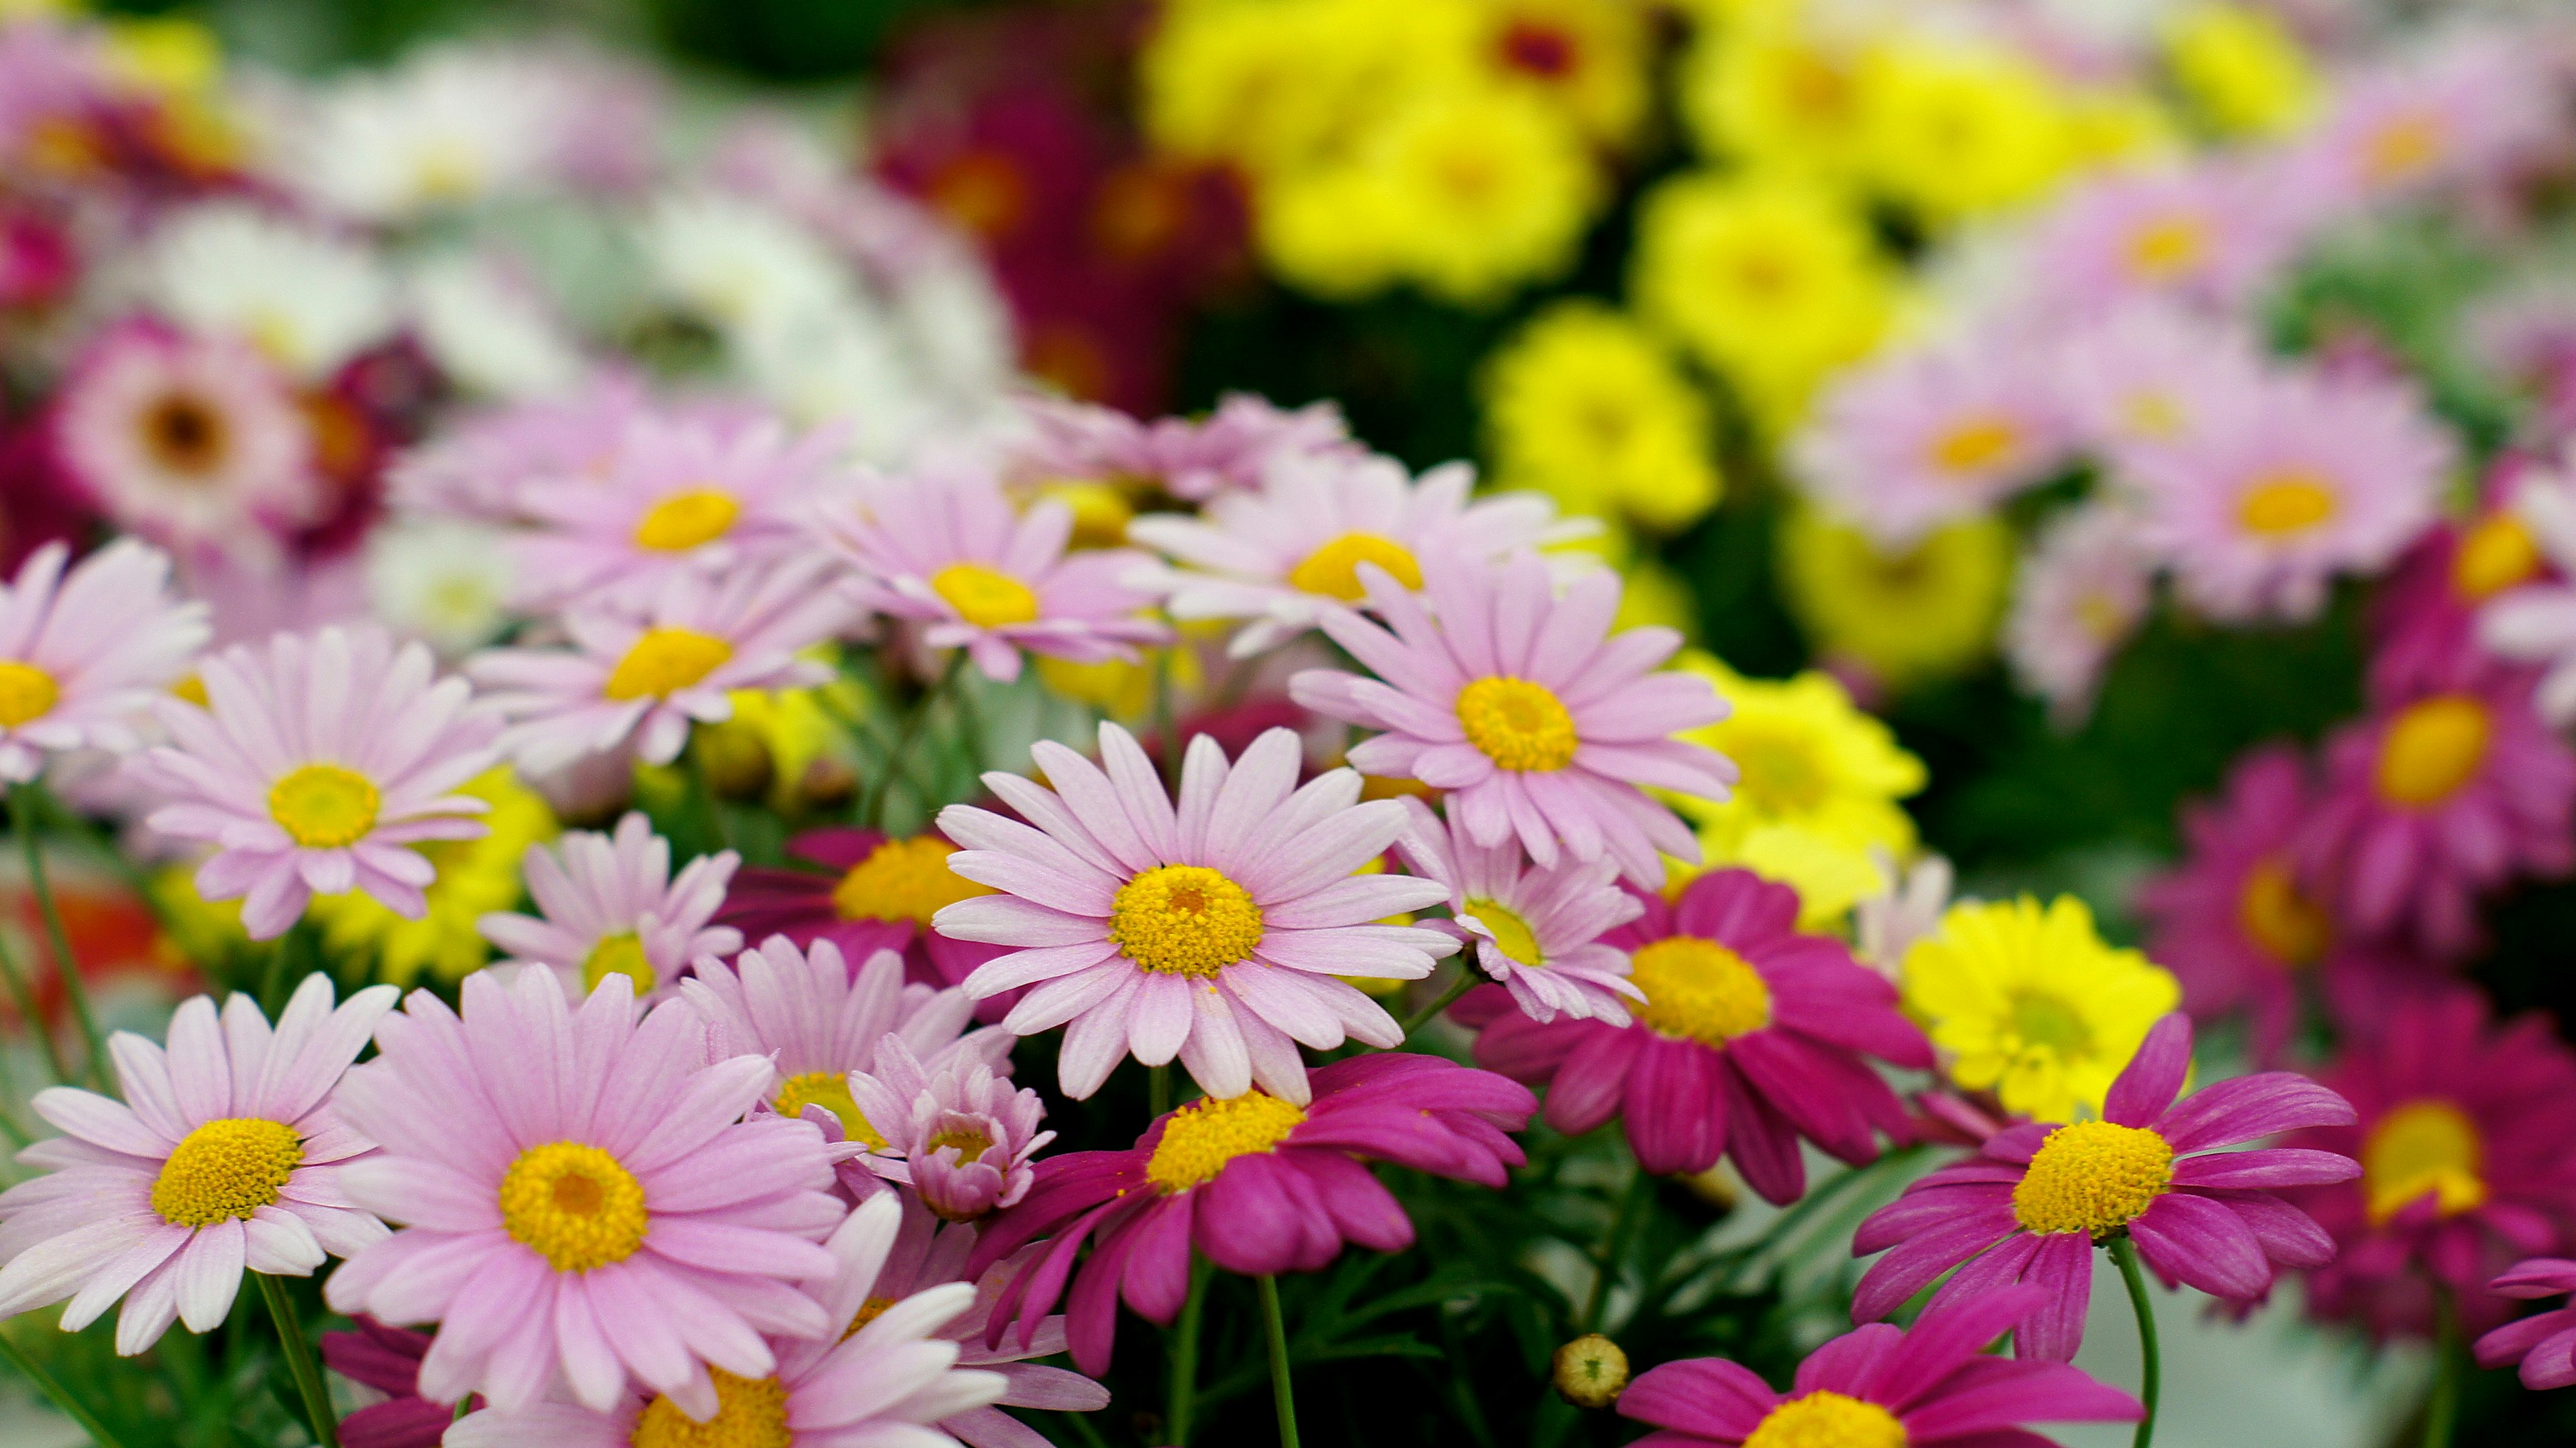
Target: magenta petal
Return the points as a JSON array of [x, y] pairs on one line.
[[1709, 1396], [2062, 1268], [1944, 1337], [2515, 1340], [2148, 1084], [1157, 1279], [2279, 1166], [1587, 1089], [2289, 1236], [1906, 1269], [1850, 1363], [2250, 1107], [1675, 1111], [2194, 1239], [1248, 1223], [2539, 1277], [2004, 1395]]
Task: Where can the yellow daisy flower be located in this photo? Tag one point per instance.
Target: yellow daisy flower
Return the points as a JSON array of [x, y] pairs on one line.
[[1493, 188], [1277, 87], [1928, 611], [1956, 130], [1585, 405], [475, 878], [1587, 58], [1770, 94], [2241, 70]]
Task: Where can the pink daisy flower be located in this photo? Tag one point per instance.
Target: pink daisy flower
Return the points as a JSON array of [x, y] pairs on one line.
[[2534, 620], [2149, 375], [946, 550], [1933, 434], [2442, 793], [83, 654], [607, 904], [1260, 1184], [322, 761], [2036, 1199], [1520, 704], [645, 678], [2294, 481], [2084, 589], [2466, 109], [1928, 1386], [483, 468], [2545, 1342], [881, 895], [1749, 1035], [2205, 235], [584, 1202], [1283, 557], [1213, 933], [1538, 930], [191, 442], [879, 1373], [225, 1156], [1193, 460], [955, 1133]]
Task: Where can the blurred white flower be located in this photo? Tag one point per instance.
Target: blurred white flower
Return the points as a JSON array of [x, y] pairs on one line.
[[307, 299], [489, 332], [445, 583], [1886, 925], [448, 127]]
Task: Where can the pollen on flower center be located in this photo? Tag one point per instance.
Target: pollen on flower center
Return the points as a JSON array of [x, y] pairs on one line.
[[1825, 1419], [2286, 924], [2423, 1148], [1975, 445], [970, 1142], [225, 1169], [1184, 920], [1699, 990], [686, 520], [1519, 725], [2046, 1020], [574, 1205], [2289, 502], [665, 661], [831, 1091], [1334, 569], [2432, 748], [869, 1311], [750, 1413], [2168, 246], [985, 597], [2493, 556], [1512, 935], [1203, 1136], [2404, 147], [903, 880], [2092, 1176], [324, 807], [186, 435], [26, 693], [619, 955]]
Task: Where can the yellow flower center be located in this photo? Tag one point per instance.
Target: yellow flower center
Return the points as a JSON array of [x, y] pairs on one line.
[[985, 597], [2494, 555], [324, 807], [750, 1413], [1783, 773], [573, 1205], [1977, 444], [26, 692], [1101, 511], [618, 955], [1334, 569], [225, 1169], [2152, 414], [2432, 747], [2285, 503], [2423, 1146], [665, 661], [1826, 1419], [1519, 725], [1699, 990], [831, 1091], [869, 1311], [2403, 147], [2168, 246], [1206, 1134], [903, 880], [1512, 935], [2274, 915], [2092, 1176], [1184, 920], [2050, 1021], [685, 520], [970, 1142]]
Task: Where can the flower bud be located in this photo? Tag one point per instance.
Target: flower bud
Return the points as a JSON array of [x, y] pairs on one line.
[[1590, 1371]]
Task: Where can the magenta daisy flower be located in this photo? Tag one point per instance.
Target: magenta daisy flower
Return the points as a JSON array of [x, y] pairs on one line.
[[881, 895], [946, 550], [608, 904], [584, 1202], [2036, 1199], [647, 677], [958, 1135], [1933, 434], [324, 759], [2084, 589], [1926, 1386], [1749, 1035], [1193, 460], [2545, 1342], [1538, 930], [229, 1157], [83, 654], [1260, 1184], [387, 1361], [879, 1373], [2460, 574], [1538, 722], [1213, 933]]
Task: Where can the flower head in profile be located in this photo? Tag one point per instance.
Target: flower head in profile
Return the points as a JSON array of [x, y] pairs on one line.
[[1260, 1184], [1212, 931], [480, 469], [2028, 1002], [1540, 724], [582, 1200], [83, 653], [1932, 434], [1536, 929], [2036, 1199], [2544, 1343], [317, 763], [1191, 459], [880, 894], [1749, 1036], [2085, 588], [225, 1156], [608, 905], [958, 1135]]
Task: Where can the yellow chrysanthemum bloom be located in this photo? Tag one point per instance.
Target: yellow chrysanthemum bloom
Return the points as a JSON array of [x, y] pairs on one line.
[[1124, 690], [2030, 1003], [1280, 86], [164, 54], [475, 878], [1335, 232], [1928, 611], [1768, 93], [1586, 58], [1585, 405], [2241, 70], [1958, 130], [1492, 187]]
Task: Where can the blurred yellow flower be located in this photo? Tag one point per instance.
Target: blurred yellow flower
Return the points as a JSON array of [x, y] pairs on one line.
[[1334, 231], [1771, 95], [1587, 406], [1656, 597], [1927, 611], [1587, 58], [1492, 187], [1276, 85], [475, 877], [1955, 130], [2241, 70]]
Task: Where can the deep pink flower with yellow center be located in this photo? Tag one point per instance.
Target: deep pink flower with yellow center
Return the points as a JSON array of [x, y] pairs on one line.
[[879, 895], [1260, 1184], [1881, 1386], [1751, 1035], [2544, 1344], [2037, 1198]]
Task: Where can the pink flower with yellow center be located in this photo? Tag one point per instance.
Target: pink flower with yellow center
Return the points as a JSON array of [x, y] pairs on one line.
[[608, 904], [958, 1135], [482, 468], [2449, 593], [84, 653], [1538, 930], [2205, 235], [2084, 589], [1934, 434], [1231, 449]]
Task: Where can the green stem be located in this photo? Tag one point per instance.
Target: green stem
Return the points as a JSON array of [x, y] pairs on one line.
[[2442, 1409], [1277, 1331], [1183, 1401], [872, 807], [1468, 977], [2151, 1361], [1614, 1248], [301, 1362], [22, 815], [46, 1383], [1158, 1088]]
